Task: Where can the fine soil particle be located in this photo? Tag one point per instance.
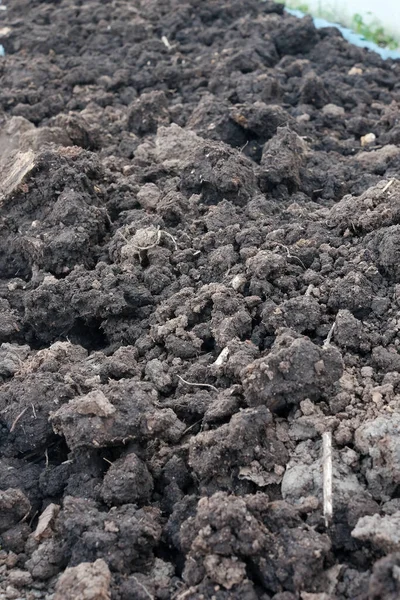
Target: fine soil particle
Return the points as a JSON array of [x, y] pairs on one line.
[[199, 276]]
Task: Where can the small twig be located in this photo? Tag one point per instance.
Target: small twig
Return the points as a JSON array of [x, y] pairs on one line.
[[34, 411], [21, 414], [122, 235], [327, 476], [47, 458], [387, 186], [206, 385], [106, 459], [330, 335], [107, 216], [32, 518], [24, 518], [144, 588], [191, 427]]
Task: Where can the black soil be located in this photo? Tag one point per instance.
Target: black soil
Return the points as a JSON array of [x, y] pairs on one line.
[[199, 276]]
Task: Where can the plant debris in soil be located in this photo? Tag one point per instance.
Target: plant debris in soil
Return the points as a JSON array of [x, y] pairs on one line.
[[199, 263]]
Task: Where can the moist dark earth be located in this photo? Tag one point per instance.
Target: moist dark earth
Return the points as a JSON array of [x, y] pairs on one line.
[[199, 276]]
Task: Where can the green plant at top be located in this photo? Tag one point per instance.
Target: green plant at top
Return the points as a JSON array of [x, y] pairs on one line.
[[303, 7], [296, 5], [373, 32]]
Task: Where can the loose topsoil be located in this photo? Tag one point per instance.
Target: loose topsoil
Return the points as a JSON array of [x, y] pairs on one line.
[[199, 276]]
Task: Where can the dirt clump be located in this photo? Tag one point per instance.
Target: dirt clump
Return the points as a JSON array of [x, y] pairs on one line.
[[295, 369], [87, 580], [14, 506]]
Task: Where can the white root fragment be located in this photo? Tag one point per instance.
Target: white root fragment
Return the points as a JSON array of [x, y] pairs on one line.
[[327, 477], [329, 336], [222, 358], [143, 587], [21, 414], [202, 385], [171, 237], [166, 43], [289, 255], [387, 186], [143, 240]]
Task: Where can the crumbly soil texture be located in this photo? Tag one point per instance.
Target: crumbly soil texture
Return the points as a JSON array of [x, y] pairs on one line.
[[199, 265]]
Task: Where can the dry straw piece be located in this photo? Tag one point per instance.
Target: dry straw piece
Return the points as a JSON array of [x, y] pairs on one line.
[[327, 476]]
